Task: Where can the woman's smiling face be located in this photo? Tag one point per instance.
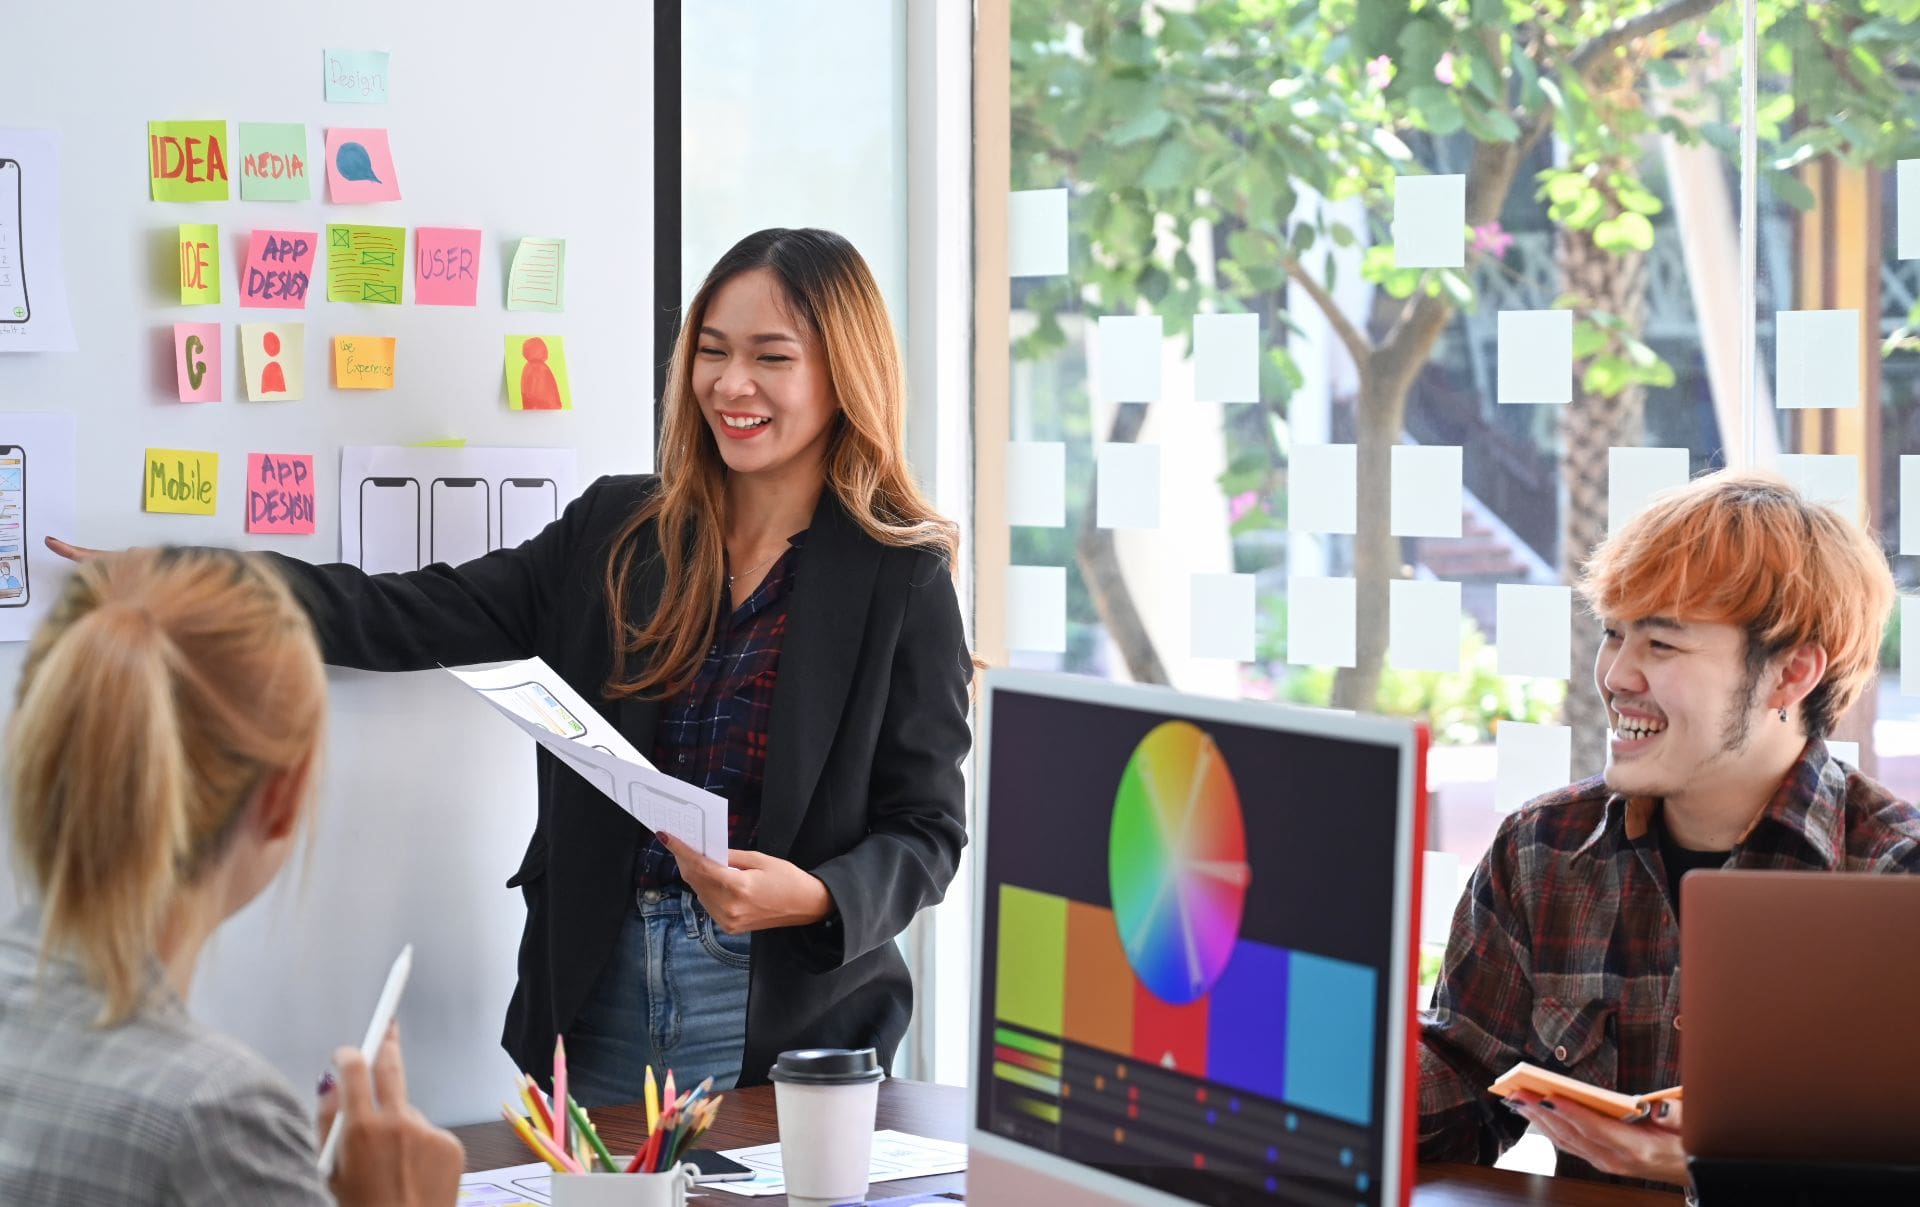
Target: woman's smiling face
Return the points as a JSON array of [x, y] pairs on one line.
[[760, 377]]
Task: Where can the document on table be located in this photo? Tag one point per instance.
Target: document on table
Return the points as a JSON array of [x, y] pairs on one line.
[[514, 1186], [540, 702], [896, 1155]]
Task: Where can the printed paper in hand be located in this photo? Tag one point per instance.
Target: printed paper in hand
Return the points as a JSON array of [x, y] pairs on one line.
[[896, 1155]]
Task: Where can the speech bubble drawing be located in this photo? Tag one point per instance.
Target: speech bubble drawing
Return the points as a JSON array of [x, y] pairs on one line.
[[354, 163]]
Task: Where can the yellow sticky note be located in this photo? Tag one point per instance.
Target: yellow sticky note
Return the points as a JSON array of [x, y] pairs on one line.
[[199, 263], [181, 481], [449, 442], [537, 373], [363, 362]]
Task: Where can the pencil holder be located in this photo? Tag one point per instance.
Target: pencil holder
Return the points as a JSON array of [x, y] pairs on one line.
[[667, 1188]]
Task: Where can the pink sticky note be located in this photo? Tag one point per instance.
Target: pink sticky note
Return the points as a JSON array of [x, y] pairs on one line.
[[280, 493], [196, 361], [446, 265], [360, 167], [279, 269]]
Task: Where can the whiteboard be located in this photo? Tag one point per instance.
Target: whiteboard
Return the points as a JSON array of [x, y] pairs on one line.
[[516, 120]]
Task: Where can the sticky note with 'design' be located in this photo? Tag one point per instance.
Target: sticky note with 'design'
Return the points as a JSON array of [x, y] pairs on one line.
[[181, 481], [280, 493], [363, 362]]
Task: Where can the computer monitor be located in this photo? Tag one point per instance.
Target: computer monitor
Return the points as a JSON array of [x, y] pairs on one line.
[[1195, 949]]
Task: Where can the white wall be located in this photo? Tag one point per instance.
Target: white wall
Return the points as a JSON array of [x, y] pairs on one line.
[[515, 124]]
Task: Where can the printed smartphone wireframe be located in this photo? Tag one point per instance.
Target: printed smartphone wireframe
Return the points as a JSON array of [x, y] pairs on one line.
[[526, 506], [459, 525], [14, 591], [14, 307], [389, 524]]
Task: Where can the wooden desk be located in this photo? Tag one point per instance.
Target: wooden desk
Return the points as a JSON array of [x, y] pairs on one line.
[[940, 1111]]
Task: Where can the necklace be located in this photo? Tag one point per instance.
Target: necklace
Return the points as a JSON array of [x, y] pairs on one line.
[[752, 568]]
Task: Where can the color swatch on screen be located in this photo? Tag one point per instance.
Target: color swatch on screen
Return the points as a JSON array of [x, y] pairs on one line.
[[1177, 862]]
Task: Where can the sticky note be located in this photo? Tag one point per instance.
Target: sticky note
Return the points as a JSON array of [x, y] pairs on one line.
[[1037, 609], [538, 278], [181, 481], [1129, 358], [1323, 488], [196, 361], [1226, 358], [363, 362], [280, 493], [1426, 495], [446, 265], [1830, 478], [279, 269], [1423, 625], [1530, 760], [273, 358], [356, 76], [366, 264], [1816, 358], [1846, 752], [537, 374], [1439, 896], [360, 166], [1909, 504], [273, 162], [1036, 484], [1534, 626], [1636, 475], [1430, 221], [1535, 361], [1907, 191], [187, 161], [1910, 645], [1127, 486], [1221, 619], [1037, 233], [1320, 621], [199, 263]]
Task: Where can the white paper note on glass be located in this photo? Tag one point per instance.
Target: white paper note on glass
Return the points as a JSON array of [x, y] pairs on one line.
[[1426, 496], [33, 271], [1535, 357], [1129, 358], [1127, 486], [1037, 609], [1430, 221], [402, 508], [1535, 628], [1037, 233], [1439, 895], [1322, 488], [1910, 645], [1909, 504], [1423, 625], [37, 488], [1846, 752], [1036, 484], [1532, 760], [1226, 358], [1830, 478], [1816, 359], [548, 710], [1222, 617], [1908, 191], [1320, 621], [1635, 475]]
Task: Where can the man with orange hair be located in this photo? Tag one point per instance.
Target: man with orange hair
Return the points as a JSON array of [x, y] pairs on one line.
[[1740, 622]]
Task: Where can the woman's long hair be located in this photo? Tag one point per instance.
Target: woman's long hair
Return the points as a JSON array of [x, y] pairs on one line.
[[829, 289], [164, 688]]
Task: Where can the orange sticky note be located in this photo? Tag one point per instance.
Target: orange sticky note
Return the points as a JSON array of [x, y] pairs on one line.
[[363, 362]]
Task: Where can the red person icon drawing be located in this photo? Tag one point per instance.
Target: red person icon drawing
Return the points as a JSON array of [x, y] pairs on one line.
[[273, 380], [538, 390]]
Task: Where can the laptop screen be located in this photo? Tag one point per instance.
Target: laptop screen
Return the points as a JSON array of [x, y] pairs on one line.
[[1189, 929]]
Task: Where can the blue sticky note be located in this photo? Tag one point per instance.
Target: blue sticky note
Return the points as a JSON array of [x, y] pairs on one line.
[[356, 77]]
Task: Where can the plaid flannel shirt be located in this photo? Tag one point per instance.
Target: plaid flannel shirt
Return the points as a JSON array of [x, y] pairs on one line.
[[714, 736], [1565, 949]]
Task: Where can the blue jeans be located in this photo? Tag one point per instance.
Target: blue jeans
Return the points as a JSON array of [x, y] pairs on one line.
[[673, 995]]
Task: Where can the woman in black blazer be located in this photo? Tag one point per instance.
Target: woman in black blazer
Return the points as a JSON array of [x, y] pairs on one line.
[[822, 688]]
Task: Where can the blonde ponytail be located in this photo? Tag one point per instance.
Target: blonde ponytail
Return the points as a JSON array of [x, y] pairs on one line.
[[164, 688]]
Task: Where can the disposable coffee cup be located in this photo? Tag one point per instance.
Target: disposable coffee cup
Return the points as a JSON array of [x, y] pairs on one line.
[[826, 1099]]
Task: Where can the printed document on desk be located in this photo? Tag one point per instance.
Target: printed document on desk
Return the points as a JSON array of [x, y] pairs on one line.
[[540, 702], [896, 1155], [514, 1186]]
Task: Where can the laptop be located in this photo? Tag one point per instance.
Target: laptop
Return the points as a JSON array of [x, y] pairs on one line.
[[1799, 1006]]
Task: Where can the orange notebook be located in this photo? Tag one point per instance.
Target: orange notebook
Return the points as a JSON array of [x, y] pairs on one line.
[[1549, 1084]]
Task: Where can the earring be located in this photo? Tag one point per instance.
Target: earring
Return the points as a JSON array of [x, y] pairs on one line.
[[1783, 716]]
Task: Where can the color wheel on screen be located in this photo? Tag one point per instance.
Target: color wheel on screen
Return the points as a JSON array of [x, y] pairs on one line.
[[1177, 862]]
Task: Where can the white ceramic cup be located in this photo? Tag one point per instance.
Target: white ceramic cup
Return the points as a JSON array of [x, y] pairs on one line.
[[665, 1189], [826, 1099]]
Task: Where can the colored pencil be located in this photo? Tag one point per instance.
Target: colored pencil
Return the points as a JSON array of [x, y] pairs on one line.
[[536, 1116], [584, 1126], [666, 1096], [541, 1146], [560, 1092], [653, 1102]]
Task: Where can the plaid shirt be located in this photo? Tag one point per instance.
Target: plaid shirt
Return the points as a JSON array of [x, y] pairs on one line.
[[1566, 946], [715, 735]]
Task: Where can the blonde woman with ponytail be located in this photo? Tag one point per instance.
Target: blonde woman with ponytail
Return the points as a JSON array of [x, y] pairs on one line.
[[158, 768], [772, 617]]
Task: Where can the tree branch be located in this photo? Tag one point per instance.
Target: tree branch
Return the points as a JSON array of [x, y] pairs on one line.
[[1358, 345], [1669, 14]]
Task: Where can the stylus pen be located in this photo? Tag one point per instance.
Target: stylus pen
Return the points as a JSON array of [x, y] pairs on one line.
[[383, 1013]]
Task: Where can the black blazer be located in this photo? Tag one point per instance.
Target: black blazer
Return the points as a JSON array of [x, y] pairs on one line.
[[863, 785]]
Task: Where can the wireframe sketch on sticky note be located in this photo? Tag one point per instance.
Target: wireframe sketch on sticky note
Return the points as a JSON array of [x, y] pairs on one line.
[[366, 263], [538, 278]]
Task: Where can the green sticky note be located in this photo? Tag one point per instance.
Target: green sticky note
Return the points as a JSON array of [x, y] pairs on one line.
[[538, 278], [187, 161], [273, 162], [449, 442], [199, 263], [366, 264]]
